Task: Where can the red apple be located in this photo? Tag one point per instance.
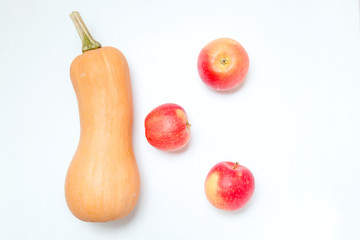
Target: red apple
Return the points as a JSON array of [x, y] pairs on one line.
[[229, 186], [223, 64], [167, 127]]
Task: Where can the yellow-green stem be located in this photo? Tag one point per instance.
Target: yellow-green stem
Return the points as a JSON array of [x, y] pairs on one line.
[[88, 42]]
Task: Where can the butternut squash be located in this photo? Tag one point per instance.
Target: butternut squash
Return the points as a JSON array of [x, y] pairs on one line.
[[102, 183]]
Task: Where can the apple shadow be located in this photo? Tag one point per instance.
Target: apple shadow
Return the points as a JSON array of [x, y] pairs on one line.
[[239, 211], [181, 150], [235, 89]]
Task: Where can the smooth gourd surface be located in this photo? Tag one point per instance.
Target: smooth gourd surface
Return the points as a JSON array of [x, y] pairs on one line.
[[102, 182]]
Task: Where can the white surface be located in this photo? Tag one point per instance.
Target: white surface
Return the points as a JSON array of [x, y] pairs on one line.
[[294, 123]]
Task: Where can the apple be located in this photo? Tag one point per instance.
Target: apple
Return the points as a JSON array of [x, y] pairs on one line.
[[167, 127], [223, 64], [229, 186]]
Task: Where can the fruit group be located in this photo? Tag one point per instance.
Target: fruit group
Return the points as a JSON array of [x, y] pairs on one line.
[[223, 64], [102, 182], [229, 186], [167, 127]]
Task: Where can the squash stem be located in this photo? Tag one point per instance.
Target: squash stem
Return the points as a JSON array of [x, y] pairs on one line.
[[88, 42]]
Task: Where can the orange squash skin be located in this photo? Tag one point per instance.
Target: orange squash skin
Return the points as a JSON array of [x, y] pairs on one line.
[[103, 183]]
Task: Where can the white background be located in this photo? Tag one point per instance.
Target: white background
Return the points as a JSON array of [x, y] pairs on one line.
[[294, 123]]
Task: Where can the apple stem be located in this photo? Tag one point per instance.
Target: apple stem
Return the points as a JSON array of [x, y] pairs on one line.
[[224, 61], [236, 164]]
